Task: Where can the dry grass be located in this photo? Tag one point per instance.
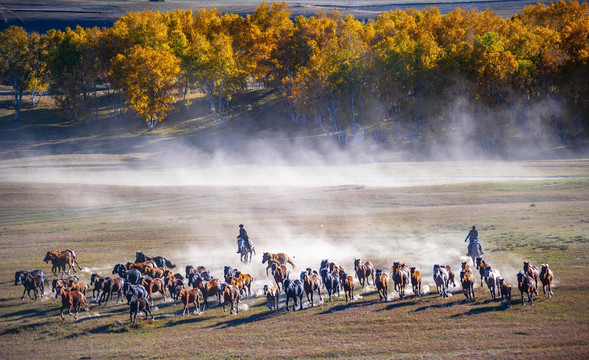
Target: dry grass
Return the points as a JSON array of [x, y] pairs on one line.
[[542, 221]]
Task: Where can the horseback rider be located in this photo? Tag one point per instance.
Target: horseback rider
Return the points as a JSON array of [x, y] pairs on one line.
[[243, 239], [473, 236]]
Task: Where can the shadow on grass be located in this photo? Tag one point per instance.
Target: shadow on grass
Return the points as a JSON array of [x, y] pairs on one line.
[[344, 306], [191, 319], [477, 310], [398, 304], [31, 313], [242, 320]]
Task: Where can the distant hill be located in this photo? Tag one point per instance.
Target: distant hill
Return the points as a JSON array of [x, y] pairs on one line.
[[40, 16]]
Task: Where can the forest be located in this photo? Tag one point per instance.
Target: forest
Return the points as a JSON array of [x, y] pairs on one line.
[[405, 76]]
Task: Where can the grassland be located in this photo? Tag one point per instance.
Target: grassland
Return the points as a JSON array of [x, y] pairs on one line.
[[543, 220]]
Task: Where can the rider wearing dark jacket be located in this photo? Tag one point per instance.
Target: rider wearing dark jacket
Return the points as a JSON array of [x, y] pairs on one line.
[[473, 236], [242, 238]]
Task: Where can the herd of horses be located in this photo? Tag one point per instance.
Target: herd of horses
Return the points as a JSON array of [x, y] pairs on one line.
[[139, 280]]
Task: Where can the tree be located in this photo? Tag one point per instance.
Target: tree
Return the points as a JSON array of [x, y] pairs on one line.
[[148, 79], [16, 67]]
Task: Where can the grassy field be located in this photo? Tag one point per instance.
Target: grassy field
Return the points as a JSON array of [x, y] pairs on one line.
[[542, 219]]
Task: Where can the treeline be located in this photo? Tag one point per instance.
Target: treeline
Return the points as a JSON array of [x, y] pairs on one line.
[[406, 76]]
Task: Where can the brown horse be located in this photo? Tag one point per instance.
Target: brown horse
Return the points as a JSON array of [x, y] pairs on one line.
[[467, 284], [71, 300], [280, 259], [136, 305], [272, 295], [208, 288], [156, 273], [231, 296], [382, 284], [153, 286], [400, 274], [190, 297], [247, 281], [505, 290], [311, 283], [109, 286], [481, 264], [532, 272], [348, 284], [415, 281], [546, 278], [61, 259], [363, 271], [525, 284], [280, 273]]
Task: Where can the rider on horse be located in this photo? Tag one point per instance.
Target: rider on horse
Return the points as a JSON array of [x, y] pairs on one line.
[[243, 238], [473, 236]]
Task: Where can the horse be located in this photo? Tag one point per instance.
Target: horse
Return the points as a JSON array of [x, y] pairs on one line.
[[109, 286], [19, 273], [35, 283], [231, 296], [294, 289], [207, 288], [156, 273], [546, 278], [71, 300], [245, 252], [441, 280], [363, 271], [415, 281], [97, 281], [450, 276], [311, 284], [131, 291], [61, 259], [239, 283], [331, 281], [467, 284], [532, 272], [400, 275], [480, 263], [526, 284], [382, 284], [159, 260], [136, 305], [505, 290], [132, 276], [280, 259], [280, 273], [153, 286], [348, 284], [473, 253], [68, 281], [189, 297], [198, 270], [272, 295], [247, 281], [491, 276], [174, 288]]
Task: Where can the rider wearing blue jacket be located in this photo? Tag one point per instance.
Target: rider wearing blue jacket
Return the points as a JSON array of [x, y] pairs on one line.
[[473, 236]]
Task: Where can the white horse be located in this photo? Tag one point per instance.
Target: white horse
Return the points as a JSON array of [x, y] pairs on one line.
[[492, 279], [441, 279]]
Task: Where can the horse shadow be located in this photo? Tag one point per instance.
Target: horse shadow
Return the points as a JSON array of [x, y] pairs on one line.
[[344, 306], [398, 304], [26, 313], [189, 320], [243, 320], [477, 310]]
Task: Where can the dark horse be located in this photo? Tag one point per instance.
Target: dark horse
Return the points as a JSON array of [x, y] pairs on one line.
[[160, 261], [363, 271]]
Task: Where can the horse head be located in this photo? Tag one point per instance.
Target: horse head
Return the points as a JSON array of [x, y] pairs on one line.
[[356, 264], [47, 257], [265, 257]]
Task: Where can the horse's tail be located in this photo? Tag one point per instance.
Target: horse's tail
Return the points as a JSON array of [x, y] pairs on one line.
[[169, 264]]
